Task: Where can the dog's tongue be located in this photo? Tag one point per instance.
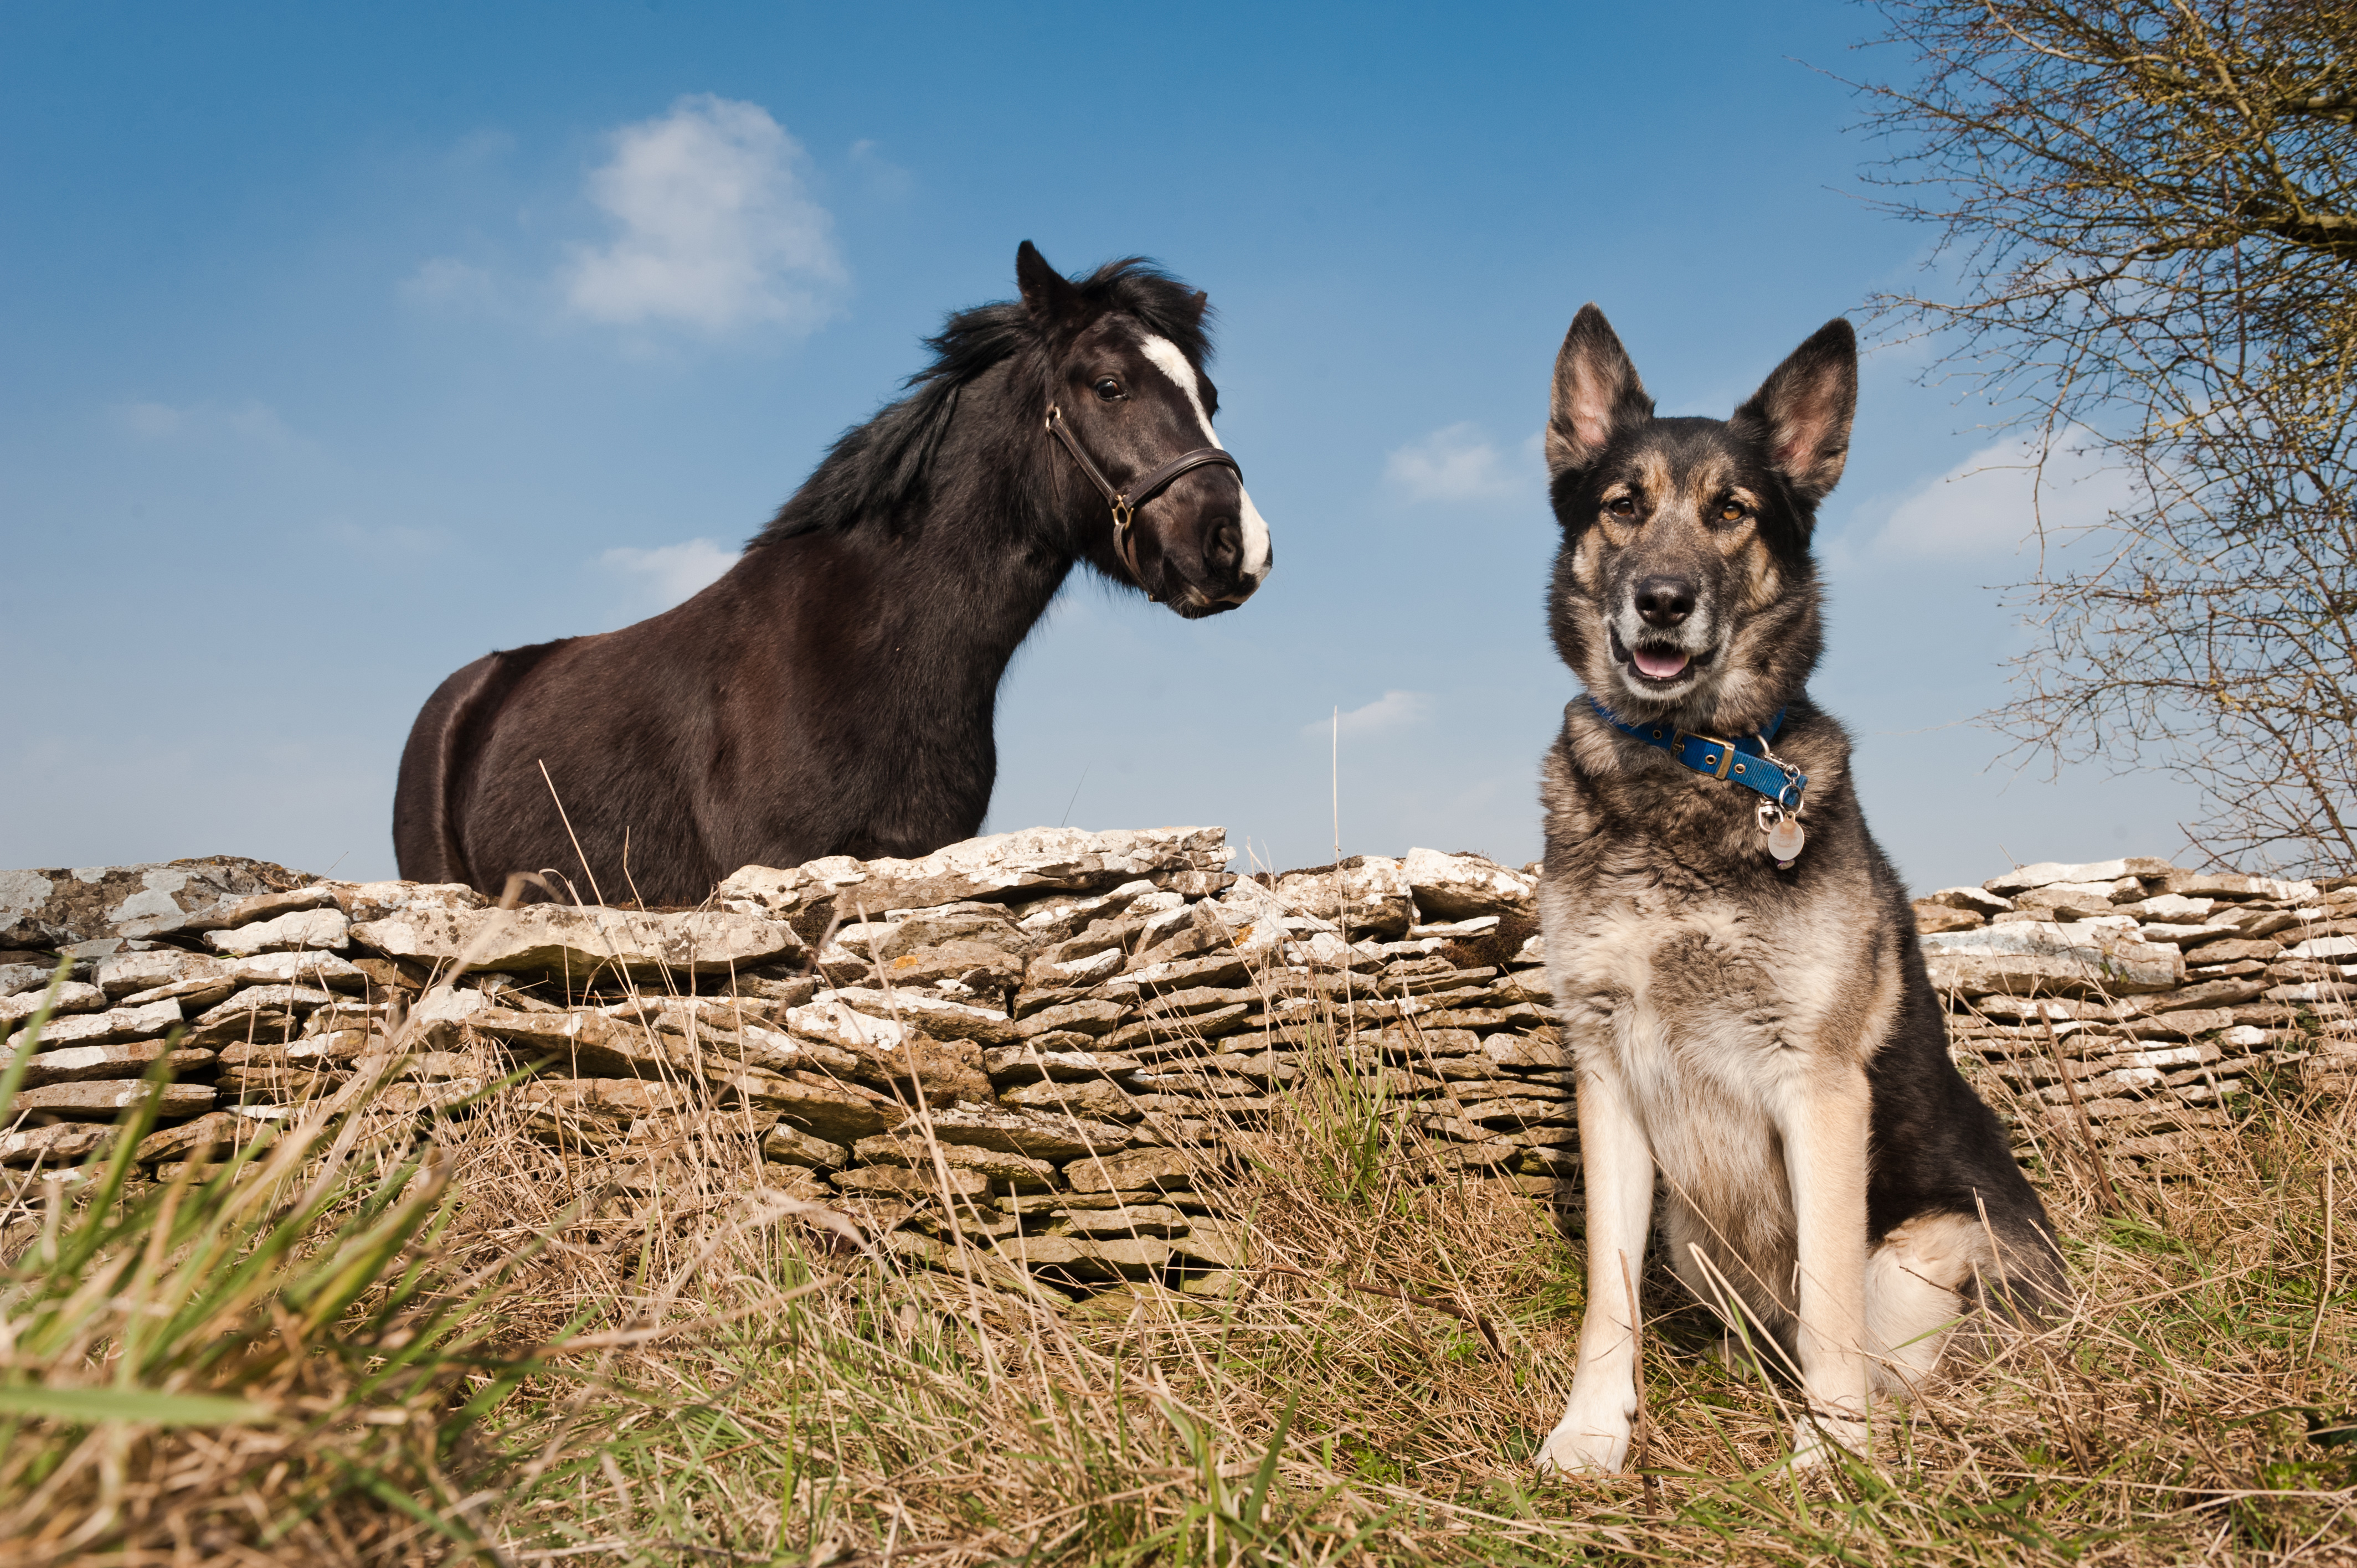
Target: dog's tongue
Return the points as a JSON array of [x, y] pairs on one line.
[[1659, 664]]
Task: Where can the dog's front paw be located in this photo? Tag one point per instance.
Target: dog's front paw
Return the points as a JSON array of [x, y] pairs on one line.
[[1585, 1448], [1816, 1440]]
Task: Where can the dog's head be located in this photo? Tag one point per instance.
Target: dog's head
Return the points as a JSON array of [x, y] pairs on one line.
[[1684, 590]]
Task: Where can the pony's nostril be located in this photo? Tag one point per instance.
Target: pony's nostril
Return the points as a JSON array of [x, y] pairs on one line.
[[1223, 547]]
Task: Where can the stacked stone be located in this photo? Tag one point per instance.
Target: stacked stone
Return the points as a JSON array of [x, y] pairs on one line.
[[2126, 1002], [1057, 1030], [1030, 1052]]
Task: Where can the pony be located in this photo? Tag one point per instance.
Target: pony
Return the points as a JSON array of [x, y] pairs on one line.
[[832, 693]]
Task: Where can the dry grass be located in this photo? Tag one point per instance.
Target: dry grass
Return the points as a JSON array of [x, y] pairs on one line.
[[683, 1366]]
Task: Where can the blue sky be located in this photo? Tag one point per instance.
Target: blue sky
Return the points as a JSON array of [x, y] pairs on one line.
[[342, 344]]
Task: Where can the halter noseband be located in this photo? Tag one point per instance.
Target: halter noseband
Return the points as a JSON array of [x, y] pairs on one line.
[[1126, 502]]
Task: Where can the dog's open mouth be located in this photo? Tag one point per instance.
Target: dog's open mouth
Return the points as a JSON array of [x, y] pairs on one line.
[[1656, 664]]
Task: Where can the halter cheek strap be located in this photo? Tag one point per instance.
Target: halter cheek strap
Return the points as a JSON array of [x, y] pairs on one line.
[[1126, 502], [1743, 761]]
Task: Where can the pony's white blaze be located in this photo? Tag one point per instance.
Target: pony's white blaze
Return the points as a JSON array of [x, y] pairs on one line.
[[1164, 355]]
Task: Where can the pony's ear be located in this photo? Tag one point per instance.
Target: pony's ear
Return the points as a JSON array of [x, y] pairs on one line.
[[1048, 295], [1595, 393], [1801, 412]]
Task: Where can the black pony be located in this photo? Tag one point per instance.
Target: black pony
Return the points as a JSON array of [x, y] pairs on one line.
[[832, 693]]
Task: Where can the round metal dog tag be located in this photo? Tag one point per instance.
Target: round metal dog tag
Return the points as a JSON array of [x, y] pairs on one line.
[[1784, 841]]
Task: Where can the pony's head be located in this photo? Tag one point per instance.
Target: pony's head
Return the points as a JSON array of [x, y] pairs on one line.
[[1124, 352]]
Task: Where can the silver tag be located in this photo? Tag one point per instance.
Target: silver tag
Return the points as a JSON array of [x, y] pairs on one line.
[[1784, 841]]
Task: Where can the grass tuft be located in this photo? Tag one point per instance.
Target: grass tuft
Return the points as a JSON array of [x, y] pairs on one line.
[[377, 1342]]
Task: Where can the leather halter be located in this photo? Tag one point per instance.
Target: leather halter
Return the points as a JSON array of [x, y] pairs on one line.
[[1126, 502]]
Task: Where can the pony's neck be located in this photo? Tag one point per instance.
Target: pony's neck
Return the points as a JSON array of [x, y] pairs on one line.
[[933, 603]]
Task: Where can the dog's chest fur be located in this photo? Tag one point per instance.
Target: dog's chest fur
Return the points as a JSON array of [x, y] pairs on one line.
[[1721, 988]]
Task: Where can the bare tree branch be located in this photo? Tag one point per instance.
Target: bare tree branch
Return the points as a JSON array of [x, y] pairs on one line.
[[2148, 220]]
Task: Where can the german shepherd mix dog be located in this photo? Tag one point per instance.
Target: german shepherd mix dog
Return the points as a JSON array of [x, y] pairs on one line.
[[1734, 959]]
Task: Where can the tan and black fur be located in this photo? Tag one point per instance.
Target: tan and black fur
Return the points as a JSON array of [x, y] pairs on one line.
[[1766, 1040]]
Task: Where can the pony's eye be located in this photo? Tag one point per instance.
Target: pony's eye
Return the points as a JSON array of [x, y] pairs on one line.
[[1731, 511], [1623, 506], [1108, 388]]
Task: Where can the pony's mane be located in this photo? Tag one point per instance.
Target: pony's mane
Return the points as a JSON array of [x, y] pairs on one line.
[[878, 468]]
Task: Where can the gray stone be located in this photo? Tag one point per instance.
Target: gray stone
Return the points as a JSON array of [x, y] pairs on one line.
[[838, 1113], [1035, 1134], [102, 1101], [914, 1184], [58, 1143], [559, 938], [269, 905], [127, 973], [997, 869], [1087, 1096], [979, 966], [827, 1017], [96, 910], [297, 998], [931, 1015], [787, 1144], [114, 1023], [1975, 900], [73, 997], [1085, 1258], [17, 977], [1027, 1063], [2048, 872], [1458, 886], [1368, 892], [216, 1133], [1155, 1220], [1931, 918], [2231, 885], [80, 1064], [2032, 957], [1136, 1170], [365, 901], [298, 968], [1006, 1171], [305, 930], [1076, 1017]]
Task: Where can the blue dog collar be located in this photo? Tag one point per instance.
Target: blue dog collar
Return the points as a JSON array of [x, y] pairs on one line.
[[1744, 762]]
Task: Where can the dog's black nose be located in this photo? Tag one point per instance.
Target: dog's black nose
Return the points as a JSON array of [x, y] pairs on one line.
[[1665, 601]]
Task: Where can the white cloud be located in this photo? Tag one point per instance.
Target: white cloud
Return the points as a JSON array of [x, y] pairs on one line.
[[671, 571], [447, 281], [1393, 709], [718, 229], [1993, 501], [160, 420], [1460, 463]]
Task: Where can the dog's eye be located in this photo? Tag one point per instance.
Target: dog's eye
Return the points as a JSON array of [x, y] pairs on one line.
[[1622, 506], [1107, 388], [1731, 511]]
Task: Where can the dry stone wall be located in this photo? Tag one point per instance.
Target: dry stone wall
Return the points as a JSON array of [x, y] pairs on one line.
[[1057, 1031]]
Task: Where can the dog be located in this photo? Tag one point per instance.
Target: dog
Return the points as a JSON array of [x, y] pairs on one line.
[[1742, 996]]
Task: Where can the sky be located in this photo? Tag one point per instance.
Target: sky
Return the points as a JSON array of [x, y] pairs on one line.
[[339, 345]]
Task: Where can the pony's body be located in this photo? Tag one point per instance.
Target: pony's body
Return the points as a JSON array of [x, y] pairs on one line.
[[833, 692]]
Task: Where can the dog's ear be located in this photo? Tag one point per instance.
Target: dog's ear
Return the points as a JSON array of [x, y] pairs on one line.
[[1048, 295], [1595, 392], [1801, 412]]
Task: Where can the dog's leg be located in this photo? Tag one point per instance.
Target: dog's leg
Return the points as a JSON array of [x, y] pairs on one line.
[[1824, 1157], [1617, 1160]]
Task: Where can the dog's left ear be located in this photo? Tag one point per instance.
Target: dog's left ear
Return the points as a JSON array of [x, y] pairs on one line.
[[1801, 412]]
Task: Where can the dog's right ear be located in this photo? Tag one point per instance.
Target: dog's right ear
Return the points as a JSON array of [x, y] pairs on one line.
[[1596, 393], [1048, 295]]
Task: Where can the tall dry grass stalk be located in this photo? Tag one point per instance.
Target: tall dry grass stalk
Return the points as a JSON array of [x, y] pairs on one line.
[[473, 1345]]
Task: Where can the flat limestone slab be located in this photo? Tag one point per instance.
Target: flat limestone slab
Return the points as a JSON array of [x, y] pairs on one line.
[[556, 939]]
